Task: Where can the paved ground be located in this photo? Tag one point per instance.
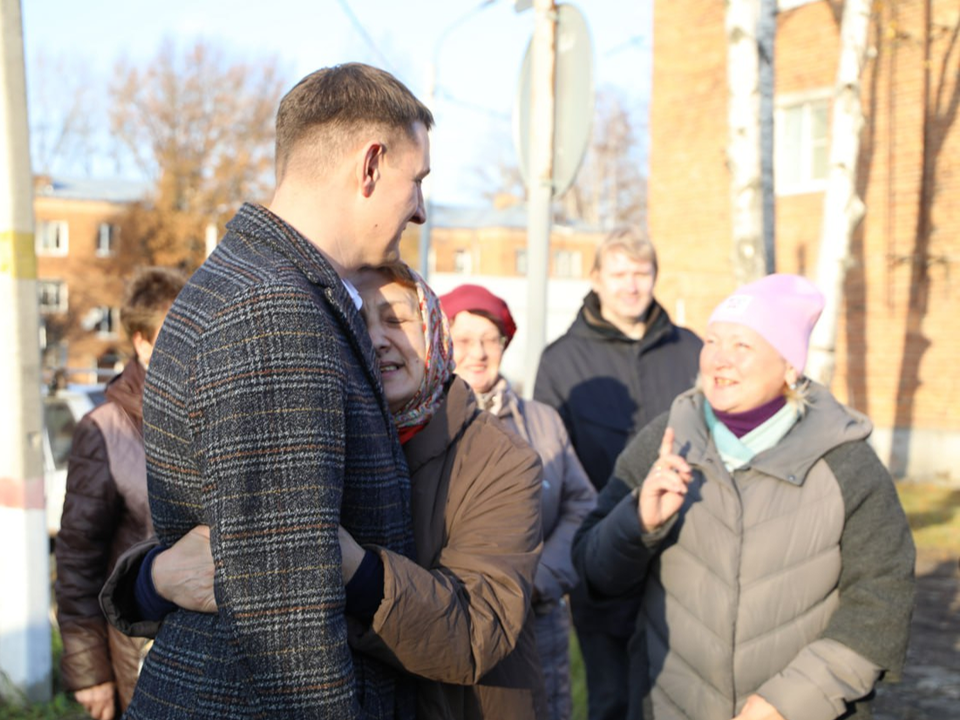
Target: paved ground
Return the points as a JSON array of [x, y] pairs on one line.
[[931, 685]]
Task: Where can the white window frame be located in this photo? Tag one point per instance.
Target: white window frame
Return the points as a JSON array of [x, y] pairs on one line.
[[520, 256], [62, 300], [42, 235], [462, 262], [791, 4], [112, 233], [806, 183], [110, 316], [567, 264]]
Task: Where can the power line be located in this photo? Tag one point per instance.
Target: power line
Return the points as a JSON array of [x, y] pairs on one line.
[[358, 26]]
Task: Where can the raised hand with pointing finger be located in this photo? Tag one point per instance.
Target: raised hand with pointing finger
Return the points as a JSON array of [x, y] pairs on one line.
[[665, 486]]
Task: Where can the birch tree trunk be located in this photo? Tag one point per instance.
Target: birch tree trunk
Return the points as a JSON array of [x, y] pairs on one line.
[[743, 145], [843, 209]]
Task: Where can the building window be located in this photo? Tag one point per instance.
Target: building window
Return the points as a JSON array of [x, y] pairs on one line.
[[566, 264], [53, 296], [520, 261], [802, 145], [462, 262], [52, 237], [108, 320], [107, 239], [790, 4]]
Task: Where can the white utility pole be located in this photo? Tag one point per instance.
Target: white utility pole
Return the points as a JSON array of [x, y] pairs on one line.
[[540, 185], [25, 600]]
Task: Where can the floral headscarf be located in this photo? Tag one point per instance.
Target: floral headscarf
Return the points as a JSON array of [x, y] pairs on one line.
[[439, 359]]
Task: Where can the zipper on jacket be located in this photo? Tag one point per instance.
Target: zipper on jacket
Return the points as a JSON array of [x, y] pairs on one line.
[[738, 588]]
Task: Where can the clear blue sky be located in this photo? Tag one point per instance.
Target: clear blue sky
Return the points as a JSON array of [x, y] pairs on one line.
[[478, 60]]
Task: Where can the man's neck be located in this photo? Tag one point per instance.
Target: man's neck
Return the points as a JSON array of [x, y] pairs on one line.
[[632, 328], [318, 221]]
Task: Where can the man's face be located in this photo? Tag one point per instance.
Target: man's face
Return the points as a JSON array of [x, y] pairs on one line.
[[624, 286], [398, 197]]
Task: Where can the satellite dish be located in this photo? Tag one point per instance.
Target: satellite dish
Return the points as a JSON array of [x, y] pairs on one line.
[[573, 107]]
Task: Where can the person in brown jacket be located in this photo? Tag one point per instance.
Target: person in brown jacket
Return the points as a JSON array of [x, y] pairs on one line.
[[481, 327], [460, 616], [105, 510]]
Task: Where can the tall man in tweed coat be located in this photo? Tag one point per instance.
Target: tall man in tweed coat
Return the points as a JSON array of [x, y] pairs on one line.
[[264, 418]]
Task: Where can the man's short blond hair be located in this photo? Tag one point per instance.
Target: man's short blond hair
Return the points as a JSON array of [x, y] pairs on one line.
[[324, 112], [632, 242]]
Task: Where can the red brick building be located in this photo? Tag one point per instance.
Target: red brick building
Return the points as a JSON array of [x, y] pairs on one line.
[[83, 256], [899, 337]]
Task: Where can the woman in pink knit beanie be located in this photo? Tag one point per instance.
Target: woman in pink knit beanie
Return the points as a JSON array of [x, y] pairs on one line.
[[766, 537]]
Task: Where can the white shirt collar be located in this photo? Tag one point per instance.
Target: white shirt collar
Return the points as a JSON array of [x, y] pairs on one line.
[[352, 292]]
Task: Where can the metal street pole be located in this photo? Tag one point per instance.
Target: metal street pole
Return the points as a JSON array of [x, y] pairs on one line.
[[25, 601], [540, 185]]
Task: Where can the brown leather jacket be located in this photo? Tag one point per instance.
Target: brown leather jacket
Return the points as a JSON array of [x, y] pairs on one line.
[[105, 511], [460, 616]]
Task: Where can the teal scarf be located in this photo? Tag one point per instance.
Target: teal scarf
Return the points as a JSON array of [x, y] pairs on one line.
[[737, 452]]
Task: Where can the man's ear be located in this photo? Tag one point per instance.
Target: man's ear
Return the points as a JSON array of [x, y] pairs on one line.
[[371, 166]]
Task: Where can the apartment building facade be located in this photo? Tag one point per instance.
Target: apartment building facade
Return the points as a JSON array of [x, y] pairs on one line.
[[899, 337], [86, 246], [83, 257]]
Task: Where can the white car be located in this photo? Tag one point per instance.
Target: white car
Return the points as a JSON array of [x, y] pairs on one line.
[[62, 410]]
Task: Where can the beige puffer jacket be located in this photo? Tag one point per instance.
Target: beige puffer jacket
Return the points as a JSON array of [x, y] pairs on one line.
[[791, 578]]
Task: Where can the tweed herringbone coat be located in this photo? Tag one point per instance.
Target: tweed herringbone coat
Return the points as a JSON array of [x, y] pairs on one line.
[[264, 419]]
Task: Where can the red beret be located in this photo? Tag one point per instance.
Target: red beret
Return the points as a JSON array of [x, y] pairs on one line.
[[475, 298]]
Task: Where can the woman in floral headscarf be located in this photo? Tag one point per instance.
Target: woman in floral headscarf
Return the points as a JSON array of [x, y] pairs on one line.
[[459, 617]]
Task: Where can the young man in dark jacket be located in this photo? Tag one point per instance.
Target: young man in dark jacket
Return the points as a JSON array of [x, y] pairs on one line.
[[105, 511], [620, 364]]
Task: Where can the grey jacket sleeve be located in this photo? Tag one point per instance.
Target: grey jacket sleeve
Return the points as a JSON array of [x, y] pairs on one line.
[[867, 635], [611, 553], [820, 682], [555, 573], [877, 577]]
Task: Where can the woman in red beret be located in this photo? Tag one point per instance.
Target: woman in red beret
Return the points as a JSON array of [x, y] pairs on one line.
[[481, 328]]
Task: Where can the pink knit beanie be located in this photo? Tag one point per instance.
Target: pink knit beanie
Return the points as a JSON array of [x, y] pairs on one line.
[[782, 308]]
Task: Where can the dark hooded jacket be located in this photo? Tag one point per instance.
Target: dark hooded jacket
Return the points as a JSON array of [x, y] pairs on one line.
[[606, 387]]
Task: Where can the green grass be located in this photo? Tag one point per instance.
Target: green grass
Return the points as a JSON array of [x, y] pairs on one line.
[[578, 680], [932, 510]]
